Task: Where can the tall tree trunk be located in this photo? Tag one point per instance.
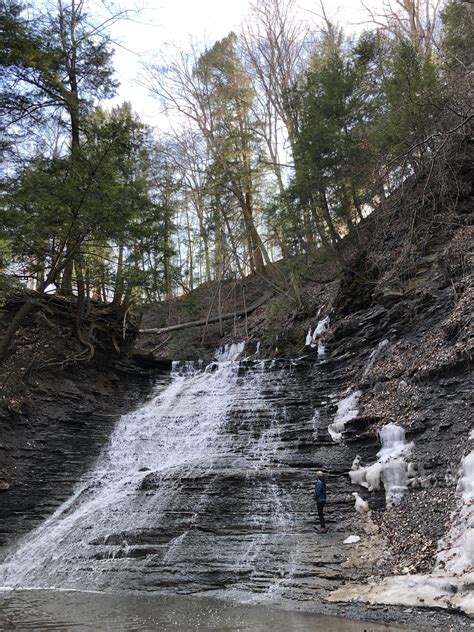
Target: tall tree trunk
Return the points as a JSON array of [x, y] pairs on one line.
[[65, 288], [190, 250], [12, 328], [355, 199], [334, 235], [235, 251], [118, 289], [81, 298]]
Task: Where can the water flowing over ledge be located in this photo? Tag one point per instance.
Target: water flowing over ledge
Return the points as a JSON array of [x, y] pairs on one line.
[[205, 486]]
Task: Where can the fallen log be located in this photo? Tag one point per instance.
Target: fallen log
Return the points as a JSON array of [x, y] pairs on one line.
[[210, 321]]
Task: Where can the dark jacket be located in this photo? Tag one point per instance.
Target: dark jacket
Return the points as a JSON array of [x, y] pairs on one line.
[[320, 490]]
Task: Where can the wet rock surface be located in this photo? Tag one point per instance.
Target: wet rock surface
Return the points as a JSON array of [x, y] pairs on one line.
[[226, 505], [70, 415], [241, 523], [235, 516]]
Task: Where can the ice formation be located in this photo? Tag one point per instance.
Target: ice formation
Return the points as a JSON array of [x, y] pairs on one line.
[[352, 539], [456, 550], [368, 477], [346, 410], [320, 329], [230, 352], [361, 506], [312, 339], [450, 583], [390, 468], [374, 355]]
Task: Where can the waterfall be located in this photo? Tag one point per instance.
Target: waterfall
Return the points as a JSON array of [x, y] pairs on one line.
[[193, 490]]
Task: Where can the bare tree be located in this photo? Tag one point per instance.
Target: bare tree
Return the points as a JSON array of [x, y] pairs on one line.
[[208, 90], [189, 154], [414, 20], [275, 46]]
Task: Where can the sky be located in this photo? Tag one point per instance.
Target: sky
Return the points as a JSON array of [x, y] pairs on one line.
[[178, 22]]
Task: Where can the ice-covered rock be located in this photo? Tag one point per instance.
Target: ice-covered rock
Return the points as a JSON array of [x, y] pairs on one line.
[[393, 468], [450, 583], [361, 506], [321, 328], [456, 551], [390, 468], [313, 339], [321, 350], [356, 463], [346, 410]]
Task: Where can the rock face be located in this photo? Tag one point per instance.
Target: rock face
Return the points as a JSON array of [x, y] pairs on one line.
[[209, 486], [71, 413]]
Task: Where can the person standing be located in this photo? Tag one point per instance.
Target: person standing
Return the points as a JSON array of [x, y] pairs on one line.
[[320, 497]]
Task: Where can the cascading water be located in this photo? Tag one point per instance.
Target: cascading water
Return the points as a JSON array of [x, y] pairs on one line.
[[199, 488]]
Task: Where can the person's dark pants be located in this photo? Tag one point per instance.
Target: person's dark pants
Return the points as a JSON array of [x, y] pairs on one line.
[[320, 506]]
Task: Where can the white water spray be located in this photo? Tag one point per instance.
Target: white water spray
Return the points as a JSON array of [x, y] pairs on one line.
[[151, 495], [230, 352]]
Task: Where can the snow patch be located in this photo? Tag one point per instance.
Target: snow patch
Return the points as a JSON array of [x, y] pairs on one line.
[[352, 539], [410, 590], [346, 410]]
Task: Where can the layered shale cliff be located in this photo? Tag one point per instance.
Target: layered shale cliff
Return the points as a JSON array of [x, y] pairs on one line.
[[56, 412], [207, 486]]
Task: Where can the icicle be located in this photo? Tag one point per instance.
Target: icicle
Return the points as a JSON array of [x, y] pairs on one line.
[[374, 355]]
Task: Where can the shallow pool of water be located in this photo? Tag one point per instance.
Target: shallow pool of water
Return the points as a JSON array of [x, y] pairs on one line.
[[51, 610]]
